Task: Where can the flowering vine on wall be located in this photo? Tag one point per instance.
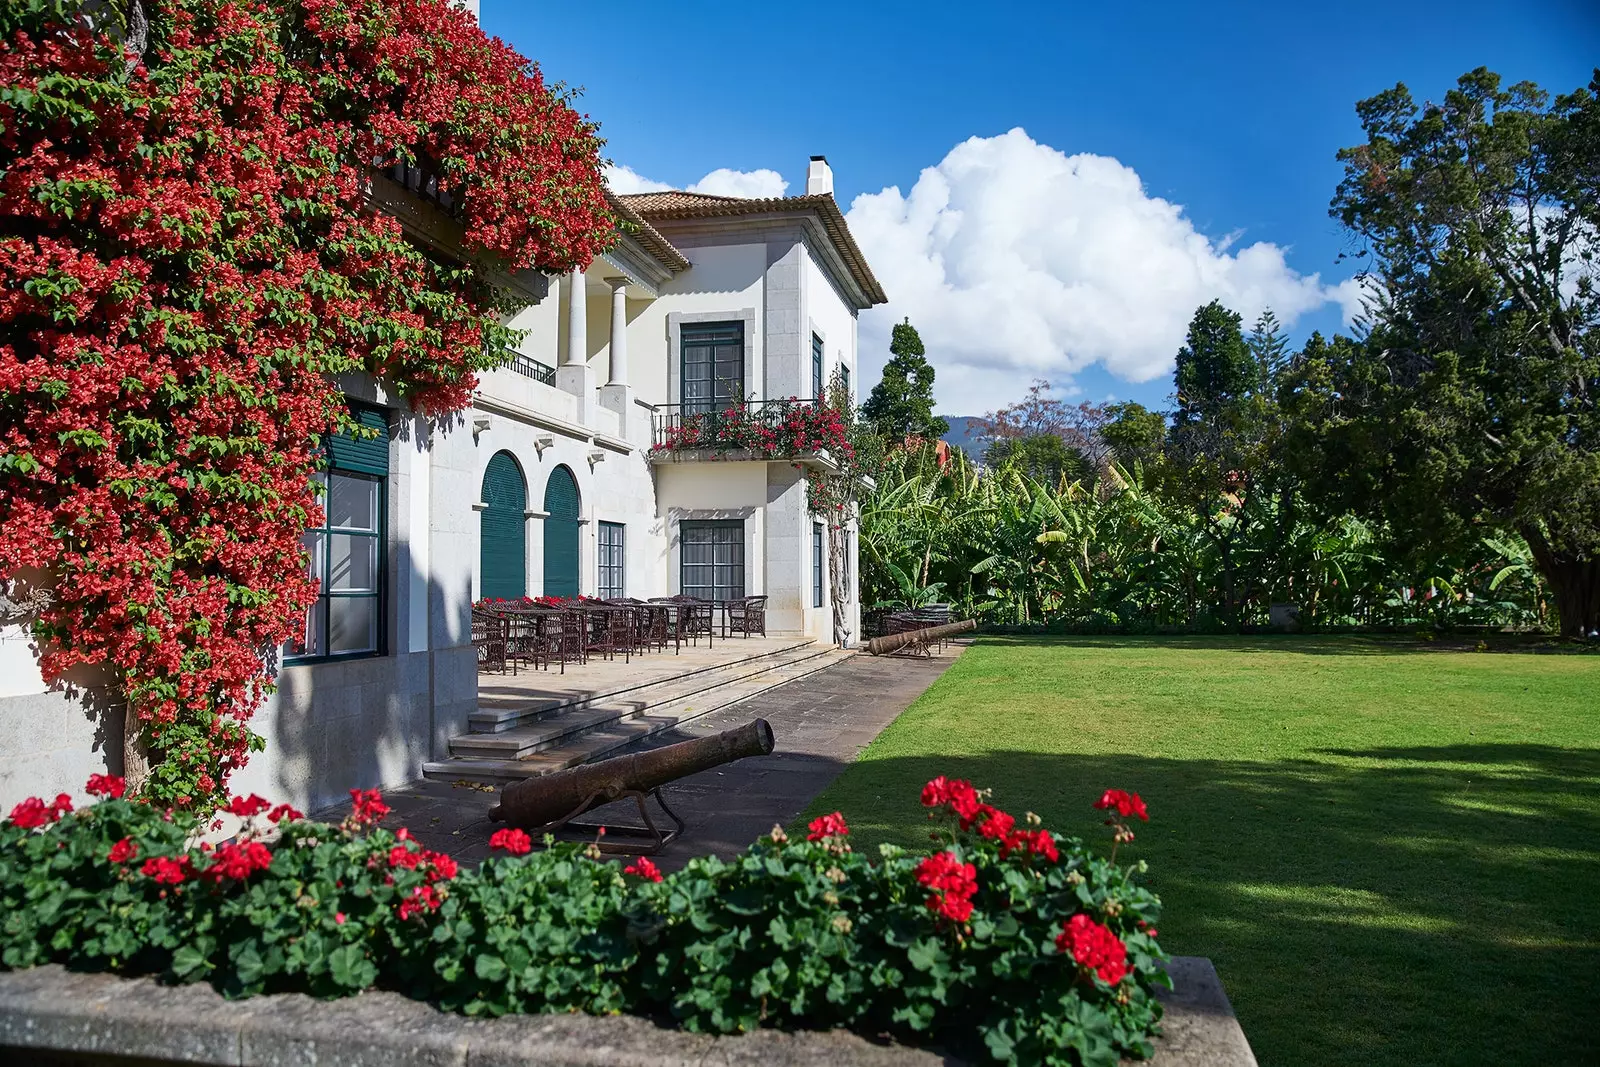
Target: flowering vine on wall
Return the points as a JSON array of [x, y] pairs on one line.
[[187, 259]]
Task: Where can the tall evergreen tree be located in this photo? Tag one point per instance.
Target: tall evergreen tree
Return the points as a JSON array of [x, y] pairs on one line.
[[901, 405], [1214, 365], [1269, 345]]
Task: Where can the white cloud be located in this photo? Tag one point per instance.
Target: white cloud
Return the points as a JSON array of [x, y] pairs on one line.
[[625, 180], [1015, 261], [749, 184]]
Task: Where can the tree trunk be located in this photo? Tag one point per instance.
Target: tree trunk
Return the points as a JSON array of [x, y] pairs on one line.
[[836, 584], [1574, 581], [135, 756]]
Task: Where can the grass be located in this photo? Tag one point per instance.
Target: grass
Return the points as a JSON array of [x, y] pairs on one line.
[[1391, 852]]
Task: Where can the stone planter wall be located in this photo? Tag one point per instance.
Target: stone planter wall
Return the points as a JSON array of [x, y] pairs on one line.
[[51, 1016]]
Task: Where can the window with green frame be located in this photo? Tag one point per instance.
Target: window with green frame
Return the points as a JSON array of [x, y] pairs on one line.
[[346, 553], [711, 563], [816, 564], [712, 367], [844, 380], [817, 380], [613, 561]]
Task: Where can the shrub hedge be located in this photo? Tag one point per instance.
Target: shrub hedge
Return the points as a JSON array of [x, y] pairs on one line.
[[1004, 942]]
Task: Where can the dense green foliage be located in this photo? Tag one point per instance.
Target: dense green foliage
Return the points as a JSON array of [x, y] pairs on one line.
[[1473, 402], [1118, 554], [1388, 847], [1005, 942]]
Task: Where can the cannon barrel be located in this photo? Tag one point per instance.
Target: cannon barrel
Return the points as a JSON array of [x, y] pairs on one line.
[[880, 646], [536, 802]]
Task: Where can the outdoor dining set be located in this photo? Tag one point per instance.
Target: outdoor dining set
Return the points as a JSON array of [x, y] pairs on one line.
[[509, 634]]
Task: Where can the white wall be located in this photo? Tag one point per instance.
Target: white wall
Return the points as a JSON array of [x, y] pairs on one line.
[[724, 279], [827, 314]]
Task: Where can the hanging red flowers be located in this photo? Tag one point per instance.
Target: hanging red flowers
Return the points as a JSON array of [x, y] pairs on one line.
[[188, 259]]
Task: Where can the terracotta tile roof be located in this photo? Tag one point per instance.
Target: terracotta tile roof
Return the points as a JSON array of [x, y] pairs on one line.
[[677, 204], [648, 236]]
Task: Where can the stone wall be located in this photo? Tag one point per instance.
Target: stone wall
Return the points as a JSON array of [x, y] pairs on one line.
[[50, 1015]]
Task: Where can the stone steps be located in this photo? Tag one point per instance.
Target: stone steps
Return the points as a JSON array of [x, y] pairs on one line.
[[595, 728], [499, 714]]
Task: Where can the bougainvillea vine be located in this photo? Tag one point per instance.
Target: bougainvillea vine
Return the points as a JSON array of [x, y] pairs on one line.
[[189, 258]]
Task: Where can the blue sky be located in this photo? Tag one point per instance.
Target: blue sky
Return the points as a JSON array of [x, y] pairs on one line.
[[1062, 252]]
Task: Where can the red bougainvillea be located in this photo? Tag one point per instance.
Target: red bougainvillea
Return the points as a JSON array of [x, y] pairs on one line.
[[188, 258]]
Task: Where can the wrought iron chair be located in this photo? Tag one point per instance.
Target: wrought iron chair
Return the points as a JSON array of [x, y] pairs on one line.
[[695, 617], [489, 641], [747, 616]]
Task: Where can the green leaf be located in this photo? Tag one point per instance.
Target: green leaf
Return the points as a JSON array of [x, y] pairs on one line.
[[351, 968]]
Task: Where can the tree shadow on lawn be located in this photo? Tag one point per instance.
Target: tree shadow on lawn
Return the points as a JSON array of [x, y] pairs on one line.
[[1305, 645], [1418, 906]]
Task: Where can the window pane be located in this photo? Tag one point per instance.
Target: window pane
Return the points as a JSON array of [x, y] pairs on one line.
[[353, 503], [352, 624], [352, 563], [816, 565], [612, 557], [314, 544], [311, 641]]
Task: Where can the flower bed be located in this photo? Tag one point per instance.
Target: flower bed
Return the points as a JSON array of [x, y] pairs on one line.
[[1006, 942], [492, 602], [770, 429]]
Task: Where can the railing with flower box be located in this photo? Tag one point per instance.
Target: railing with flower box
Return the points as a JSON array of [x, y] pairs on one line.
[[764, 429]]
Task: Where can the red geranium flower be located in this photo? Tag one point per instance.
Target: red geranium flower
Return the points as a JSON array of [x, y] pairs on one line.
[[954, 884], [958, 796], [106, 785], [827, 826], [245, 807], [1094, 947], [511, 840], [124, 851], [1123, 803], [168, 870], [238, 861], [31, 814], [644, 869], [282, 812], [423, 898], [367, 806]]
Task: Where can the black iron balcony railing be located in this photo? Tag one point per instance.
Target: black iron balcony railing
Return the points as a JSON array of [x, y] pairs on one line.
[[786, 427], [529, 367], [423, 180]]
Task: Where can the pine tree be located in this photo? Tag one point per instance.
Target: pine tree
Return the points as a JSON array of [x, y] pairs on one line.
[[901, 405], [1270, 345]]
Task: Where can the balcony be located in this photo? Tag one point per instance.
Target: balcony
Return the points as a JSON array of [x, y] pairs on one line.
[[529, 367], [803, 431]]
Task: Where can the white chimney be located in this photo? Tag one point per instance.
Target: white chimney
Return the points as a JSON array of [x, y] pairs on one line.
[[819, 177]]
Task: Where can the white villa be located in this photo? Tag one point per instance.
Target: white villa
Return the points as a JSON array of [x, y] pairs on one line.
[[547, 486]]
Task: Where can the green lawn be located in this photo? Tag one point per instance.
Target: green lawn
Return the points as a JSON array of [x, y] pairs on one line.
[[1390, 851]]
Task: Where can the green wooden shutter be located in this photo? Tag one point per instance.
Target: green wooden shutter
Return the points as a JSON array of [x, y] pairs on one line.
[[561, 534], [503, 545], [368, 456]]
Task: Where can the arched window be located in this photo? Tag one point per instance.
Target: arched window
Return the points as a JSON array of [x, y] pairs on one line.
[[561, 502], [503, 557]]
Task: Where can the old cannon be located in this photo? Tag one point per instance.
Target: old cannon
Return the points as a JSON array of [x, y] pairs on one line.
[[917, 641], [550, 803]]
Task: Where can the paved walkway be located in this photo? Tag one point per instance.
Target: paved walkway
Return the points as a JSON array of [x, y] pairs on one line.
[[819, 724]]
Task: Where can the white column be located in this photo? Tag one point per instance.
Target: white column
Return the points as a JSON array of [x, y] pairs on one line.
[[577, 321], [619, 333]]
